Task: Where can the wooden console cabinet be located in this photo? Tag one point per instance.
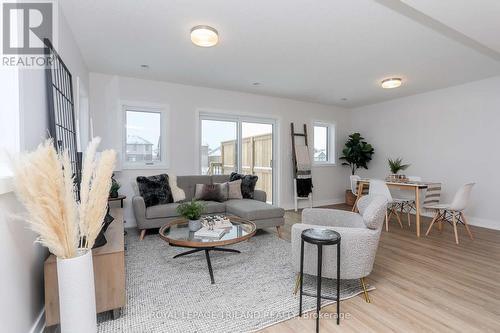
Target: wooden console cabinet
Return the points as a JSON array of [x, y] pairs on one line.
[[109, 273]]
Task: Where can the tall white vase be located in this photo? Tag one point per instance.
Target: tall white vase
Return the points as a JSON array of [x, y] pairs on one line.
[[77, 310]]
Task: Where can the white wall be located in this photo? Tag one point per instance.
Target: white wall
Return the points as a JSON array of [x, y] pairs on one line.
[[449, 135], [106, 91], [21, 281]]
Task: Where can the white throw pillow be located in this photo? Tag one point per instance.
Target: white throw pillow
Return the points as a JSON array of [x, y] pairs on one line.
[[177, 193]]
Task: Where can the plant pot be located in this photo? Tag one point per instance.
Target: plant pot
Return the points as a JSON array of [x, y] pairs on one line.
[[194, 225], [113, 194], [77, 308]]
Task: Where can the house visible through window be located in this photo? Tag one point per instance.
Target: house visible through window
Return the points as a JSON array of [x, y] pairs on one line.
[[143, 137], [324, 143]]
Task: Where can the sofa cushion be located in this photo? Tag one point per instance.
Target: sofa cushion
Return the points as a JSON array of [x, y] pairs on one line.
[[161, 211], [214, 207], [188, 184], [253, 210], [220, 179]]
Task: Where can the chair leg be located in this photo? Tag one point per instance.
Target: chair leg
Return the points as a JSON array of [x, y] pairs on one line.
[[409, 219], [466, 225], [454, 219], [398, 218], [355, 204], [297, 284], [367, 298], [143, 233], [386, 221], [278, 229], [432, 223]]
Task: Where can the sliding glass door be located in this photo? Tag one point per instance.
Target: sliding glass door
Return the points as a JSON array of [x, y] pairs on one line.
[[257, 154], [240, 144], [219, 148]]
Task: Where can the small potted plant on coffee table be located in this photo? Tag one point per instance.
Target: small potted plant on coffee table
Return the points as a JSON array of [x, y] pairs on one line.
[[192, 212]]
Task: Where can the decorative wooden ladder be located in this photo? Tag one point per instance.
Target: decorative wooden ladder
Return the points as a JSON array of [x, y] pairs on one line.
[[295, 195]]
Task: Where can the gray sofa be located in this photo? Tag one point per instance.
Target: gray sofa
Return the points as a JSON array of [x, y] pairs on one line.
[[256, 210]]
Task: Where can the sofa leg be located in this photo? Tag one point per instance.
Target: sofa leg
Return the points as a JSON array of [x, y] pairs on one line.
[[278, 229], [367, 298], [143, 233]]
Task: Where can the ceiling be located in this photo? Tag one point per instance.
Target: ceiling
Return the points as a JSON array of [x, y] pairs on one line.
[[323, 51]]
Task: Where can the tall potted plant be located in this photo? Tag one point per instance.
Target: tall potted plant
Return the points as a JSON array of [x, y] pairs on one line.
[[357, 153], [44, 183]]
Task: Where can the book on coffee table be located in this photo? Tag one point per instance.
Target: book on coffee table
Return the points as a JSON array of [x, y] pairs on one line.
[[217, 221], [206, 233]]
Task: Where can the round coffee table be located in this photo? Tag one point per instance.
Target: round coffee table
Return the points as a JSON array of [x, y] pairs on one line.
[[177, 233]]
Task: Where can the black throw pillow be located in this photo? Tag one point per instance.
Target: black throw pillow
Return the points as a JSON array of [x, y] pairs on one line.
[[247, 184], [155, 190]]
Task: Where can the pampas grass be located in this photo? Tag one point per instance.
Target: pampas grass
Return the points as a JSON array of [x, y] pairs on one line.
[[94, 193], [44, 184]]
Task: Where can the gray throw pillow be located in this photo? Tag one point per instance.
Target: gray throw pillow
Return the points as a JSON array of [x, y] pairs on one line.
[[247, 183], [155, 190], [234, 190], [211, 192]]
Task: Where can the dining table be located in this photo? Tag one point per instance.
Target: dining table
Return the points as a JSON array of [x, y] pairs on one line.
[[414, 186]]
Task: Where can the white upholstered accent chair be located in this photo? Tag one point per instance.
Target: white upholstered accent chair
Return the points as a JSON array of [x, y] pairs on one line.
[[379, 187], [453, 213], [360, 234]]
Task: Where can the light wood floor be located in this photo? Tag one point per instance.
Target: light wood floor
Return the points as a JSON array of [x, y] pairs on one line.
[[423, 285]]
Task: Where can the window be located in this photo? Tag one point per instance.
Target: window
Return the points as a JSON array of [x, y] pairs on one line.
[[144, 139], [324, 143], [241, 144]]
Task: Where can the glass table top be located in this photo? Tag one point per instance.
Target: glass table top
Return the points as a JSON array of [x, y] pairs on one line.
[[320, 234], [178, 233]]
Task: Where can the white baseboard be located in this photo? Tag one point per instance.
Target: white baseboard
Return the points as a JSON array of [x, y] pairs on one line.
[[39, 324], [316, 203], [475, 221], [484, 223]]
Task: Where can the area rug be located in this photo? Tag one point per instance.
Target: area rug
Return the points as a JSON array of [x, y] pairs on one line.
[[253, 289]]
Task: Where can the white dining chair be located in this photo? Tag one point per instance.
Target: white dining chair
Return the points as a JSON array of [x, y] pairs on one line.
[[380, 187], [453, 213], [405, 200], [354, 188]]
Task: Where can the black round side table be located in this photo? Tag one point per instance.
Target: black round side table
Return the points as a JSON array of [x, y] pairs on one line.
[[319, 237]]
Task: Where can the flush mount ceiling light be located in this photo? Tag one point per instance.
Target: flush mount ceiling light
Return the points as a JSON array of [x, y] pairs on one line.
[[392, 82], [204, 36]]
